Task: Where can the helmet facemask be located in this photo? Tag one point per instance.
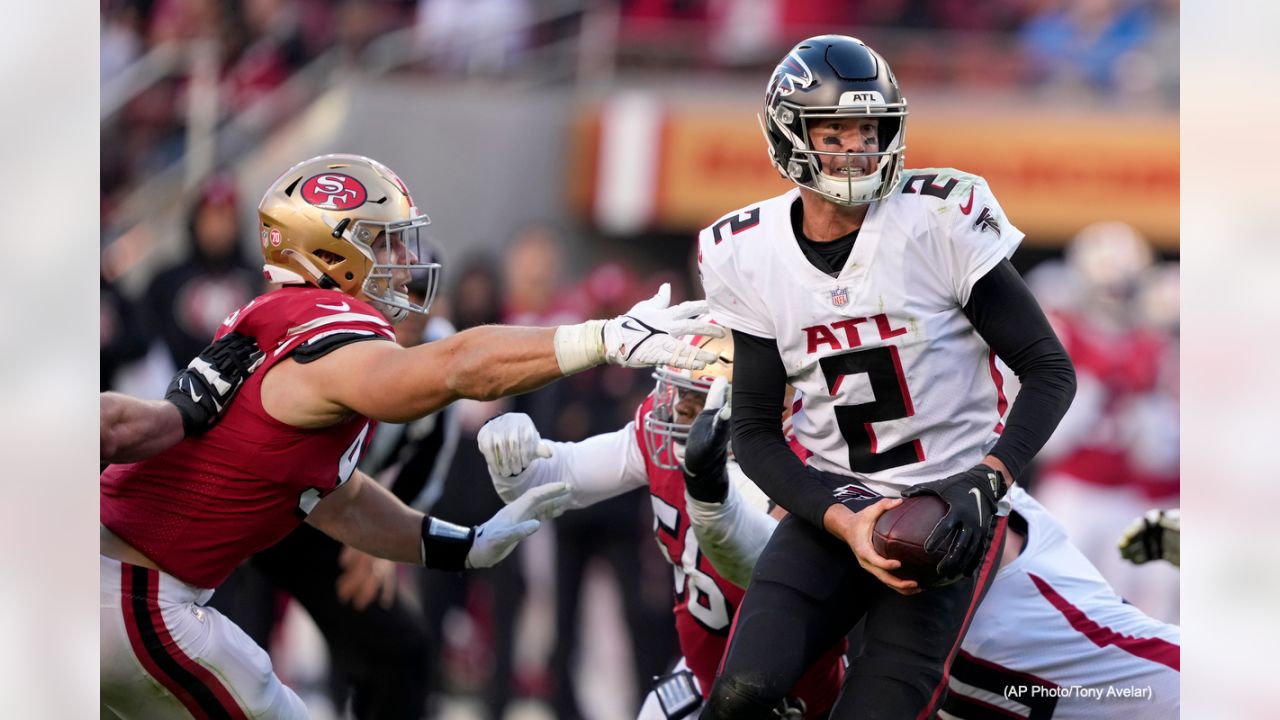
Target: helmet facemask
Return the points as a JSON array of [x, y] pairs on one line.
[[665, 434], [801, 163], [396, 252]]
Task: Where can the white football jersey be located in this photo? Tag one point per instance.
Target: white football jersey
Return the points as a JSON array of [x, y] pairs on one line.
[[897, 386], [1053, 640]]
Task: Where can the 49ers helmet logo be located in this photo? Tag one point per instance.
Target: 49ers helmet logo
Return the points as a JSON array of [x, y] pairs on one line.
[[334, 191]]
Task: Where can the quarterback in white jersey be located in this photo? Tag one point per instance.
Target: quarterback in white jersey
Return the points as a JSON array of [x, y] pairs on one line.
[[862, 346], [886, 297]]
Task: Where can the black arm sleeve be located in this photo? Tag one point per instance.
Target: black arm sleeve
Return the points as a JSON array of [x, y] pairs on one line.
[[1007, 316], [759, 386]]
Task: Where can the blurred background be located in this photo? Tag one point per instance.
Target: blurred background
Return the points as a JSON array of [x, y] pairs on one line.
[[568, 152]]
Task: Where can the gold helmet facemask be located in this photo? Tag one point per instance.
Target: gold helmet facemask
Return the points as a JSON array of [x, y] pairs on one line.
[[348, 223], [664, 433]]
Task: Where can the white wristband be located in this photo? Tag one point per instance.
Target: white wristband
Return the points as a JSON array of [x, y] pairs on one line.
[[580, 346]]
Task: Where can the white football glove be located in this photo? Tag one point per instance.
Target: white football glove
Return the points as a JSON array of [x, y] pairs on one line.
[[645, 336], [510, 443], [648, 334], [499, 535], [1154, 536]]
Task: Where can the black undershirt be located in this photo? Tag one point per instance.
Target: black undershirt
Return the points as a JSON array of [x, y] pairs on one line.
[[1005, 315], [830, 256]]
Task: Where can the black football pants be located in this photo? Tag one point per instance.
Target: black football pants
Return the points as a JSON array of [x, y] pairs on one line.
[[806, 593]]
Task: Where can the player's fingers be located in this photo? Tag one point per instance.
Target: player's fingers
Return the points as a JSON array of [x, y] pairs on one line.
[[688, 309], [523, 530], [366, 592], [347, 555], [943, 535], [695, 327], [688, 357], [956, 559], [716, 393], [901, 585], [544, 449], [660, 299], [546, 499], [347, 585]]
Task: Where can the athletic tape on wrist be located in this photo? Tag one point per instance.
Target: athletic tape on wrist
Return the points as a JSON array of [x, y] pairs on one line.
[[579, 347], [445, 545]]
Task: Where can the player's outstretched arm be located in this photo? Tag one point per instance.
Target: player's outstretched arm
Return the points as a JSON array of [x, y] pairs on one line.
[[387, 382], [198, 395], [132, 429], [594, 469], [366, 516]]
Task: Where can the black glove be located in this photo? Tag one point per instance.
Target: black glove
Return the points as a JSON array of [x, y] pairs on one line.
[[970, 520], [706, 452], [202, 390]]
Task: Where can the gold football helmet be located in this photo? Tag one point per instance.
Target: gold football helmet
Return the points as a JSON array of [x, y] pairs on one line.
[[678, 398], [347, 222]]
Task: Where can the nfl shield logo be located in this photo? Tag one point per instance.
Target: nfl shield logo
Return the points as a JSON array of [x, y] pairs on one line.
[[840, 297]]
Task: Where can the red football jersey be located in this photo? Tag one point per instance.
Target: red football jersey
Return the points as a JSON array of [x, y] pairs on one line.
[[204, 505], [705, 603]]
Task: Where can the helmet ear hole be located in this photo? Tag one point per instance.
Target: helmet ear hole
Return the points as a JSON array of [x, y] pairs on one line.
[[328, 257]]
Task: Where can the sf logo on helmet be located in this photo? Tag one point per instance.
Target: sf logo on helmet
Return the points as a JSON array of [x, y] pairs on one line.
[[334, 191]]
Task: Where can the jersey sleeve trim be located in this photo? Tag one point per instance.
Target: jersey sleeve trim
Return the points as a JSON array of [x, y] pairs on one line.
[[321, 344]]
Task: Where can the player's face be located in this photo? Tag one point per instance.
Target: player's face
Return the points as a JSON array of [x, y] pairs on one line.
[[392, 250], [846, 135], [689, 404]]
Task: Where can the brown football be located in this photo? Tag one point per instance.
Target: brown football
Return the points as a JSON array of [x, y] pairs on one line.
[[900, 534]]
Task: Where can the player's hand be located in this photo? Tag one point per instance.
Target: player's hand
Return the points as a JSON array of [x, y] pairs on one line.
[[202, 390], [497, 537], [971, 497], [1154, 536], [707, 449], [648, 334], [365, 578], [855, 529], [510, 443]]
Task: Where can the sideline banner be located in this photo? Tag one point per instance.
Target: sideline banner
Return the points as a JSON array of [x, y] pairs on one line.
[[1053, 173]]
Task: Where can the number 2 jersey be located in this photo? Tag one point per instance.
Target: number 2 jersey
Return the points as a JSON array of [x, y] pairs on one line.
[[202, 506], [897, 386]]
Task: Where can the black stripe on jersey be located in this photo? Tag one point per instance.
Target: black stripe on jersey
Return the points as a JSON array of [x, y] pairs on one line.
[[313, 350], [203, 695]]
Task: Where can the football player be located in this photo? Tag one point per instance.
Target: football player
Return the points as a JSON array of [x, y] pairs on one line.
[[1051, 639], [885, 296], [341, 234], [650, 451]]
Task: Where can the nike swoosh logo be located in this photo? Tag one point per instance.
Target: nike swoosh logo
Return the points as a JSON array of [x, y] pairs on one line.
[[627, 324], [343, 307], [968, 207], [977, 497], [192, 390]]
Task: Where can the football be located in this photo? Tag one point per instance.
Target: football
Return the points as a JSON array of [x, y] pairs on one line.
[[900, 534]]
